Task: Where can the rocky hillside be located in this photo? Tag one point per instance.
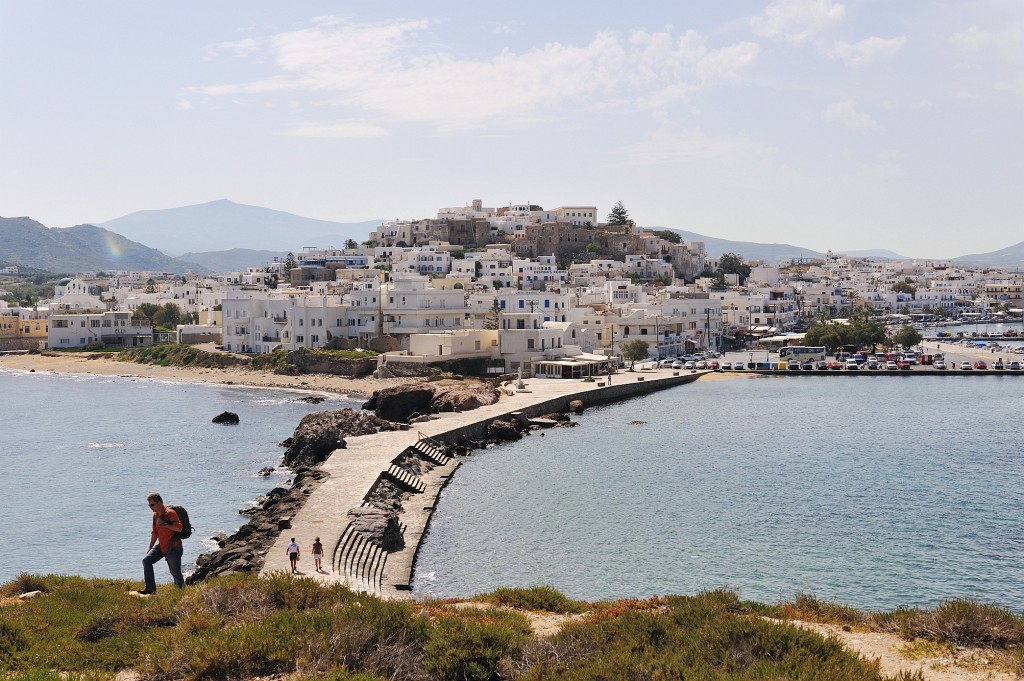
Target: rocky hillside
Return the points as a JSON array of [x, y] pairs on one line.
[[83, 248]]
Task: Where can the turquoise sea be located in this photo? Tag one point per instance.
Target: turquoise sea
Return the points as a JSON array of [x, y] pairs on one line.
[[875, 493], [80, 454]]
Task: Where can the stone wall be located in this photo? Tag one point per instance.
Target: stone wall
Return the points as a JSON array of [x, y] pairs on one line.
[[19, 344], [322, 363]]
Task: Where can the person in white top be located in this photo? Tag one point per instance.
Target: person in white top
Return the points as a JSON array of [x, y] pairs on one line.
[[293, 553]]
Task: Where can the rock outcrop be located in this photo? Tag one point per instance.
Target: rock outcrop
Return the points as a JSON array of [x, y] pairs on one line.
[[320, 433], [228, 418], [463, 396], [501, 430], [246, 549], [378, 525], [403, 402]]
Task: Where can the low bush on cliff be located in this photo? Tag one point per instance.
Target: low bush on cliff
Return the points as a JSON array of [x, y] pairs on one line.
[[180, 356], [963, 623], [242, 627], [539, 598]]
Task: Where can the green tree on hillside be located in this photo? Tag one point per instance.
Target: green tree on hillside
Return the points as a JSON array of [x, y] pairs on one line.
[[491, 321], [634, 351], [618, 215], [904, 287], [668, 235], [831, 335], [731, 263], [908, 336]]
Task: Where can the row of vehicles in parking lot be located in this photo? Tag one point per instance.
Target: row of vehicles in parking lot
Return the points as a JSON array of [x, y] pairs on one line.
[[797, 358]]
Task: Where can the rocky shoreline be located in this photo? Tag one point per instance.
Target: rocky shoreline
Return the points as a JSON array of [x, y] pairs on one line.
[[321, 433]]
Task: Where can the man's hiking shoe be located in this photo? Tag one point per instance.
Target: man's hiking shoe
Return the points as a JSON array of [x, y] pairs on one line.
[[145, 592]]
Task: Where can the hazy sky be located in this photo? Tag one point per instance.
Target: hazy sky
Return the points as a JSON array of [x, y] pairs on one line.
[[845, 125]]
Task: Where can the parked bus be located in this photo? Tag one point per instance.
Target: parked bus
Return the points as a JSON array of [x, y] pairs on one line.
[[801, 353]]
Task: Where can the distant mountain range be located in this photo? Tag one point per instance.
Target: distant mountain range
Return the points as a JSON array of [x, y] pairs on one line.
[[234, 260], [225, 236], [83, 248], [223, 225], [1010, 258], [750, 250]]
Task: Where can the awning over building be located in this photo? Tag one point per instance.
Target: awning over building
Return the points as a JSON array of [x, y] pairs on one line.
[[577, 366]]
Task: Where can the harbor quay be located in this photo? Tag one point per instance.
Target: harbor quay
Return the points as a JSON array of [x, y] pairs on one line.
[[368, 461]]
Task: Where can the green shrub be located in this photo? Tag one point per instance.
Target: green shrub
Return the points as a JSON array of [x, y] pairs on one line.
[[808, 608], [469, 646], [22, 584], [960, 622], [11, 642], [543, 598]]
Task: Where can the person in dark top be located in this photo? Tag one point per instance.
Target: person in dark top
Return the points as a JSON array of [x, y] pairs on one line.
[[318, 554]]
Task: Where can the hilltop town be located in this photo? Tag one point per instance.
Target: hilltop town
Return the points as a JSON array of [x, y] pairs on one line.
[[500, 288]]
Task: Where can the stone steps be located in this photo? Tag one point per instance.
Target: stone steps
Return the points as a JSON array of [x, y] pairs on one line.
[[432, 451], [359, 561], [404, 479]]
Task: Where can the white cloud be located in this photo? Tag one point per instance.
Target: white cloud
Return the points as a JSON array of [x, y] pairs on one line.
[[794, 21], [235, 48], [1007, 41], [689, 147], [845, 113], [338, 130], [867, 50], [380, 72]]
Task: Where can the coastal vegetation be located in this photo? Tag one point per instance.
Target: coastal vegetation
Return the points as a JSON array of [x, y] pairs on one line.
[[860, 330], [240, 627], [191, 356]]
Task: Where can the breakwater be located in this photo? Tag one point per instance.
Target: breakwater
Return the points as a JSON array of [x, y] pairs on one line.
[[359, 471]]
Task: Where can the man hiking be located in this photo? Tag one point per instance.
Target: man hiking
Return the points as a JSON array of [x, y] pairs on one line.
[[163, 543]]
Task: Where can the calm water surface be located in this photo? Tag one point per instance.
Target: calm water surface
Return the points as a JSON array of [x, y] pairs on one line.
[[874, 492], [81, 453]]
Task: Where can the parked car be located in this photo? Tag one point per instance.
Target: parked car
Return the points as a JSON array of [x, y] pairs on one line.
[[891, 366], [1014, 365], [872, 363], [807, 366], [835, 366], [738, 366], [821, 365], [851, 365], [726, 366], [701, 364], [903, 365], [980, 364], [677, 364], [793, 366], [690, 365], [713, 366], [965, 366], [939, 364]]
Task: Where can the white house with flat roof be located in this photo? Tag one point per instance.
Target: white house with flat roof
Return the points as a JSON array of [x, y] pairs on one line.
[[115, 329]]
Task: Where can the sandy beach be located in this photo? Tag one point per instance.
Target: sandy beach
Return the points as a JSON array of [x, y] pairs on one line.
[[89, 363], [81, 363]]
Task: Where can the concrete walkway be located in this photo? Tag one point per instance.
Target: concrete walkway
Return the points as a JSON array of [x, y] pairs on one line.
[[355, 470]]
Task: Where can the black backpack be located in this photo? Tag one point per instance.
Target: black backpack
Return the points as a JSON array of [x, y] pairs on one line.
[[186, 526]]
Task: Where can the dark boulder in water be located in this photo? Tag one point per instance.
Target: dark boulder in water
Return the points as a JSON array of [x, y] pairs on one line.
[[229, 418]]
